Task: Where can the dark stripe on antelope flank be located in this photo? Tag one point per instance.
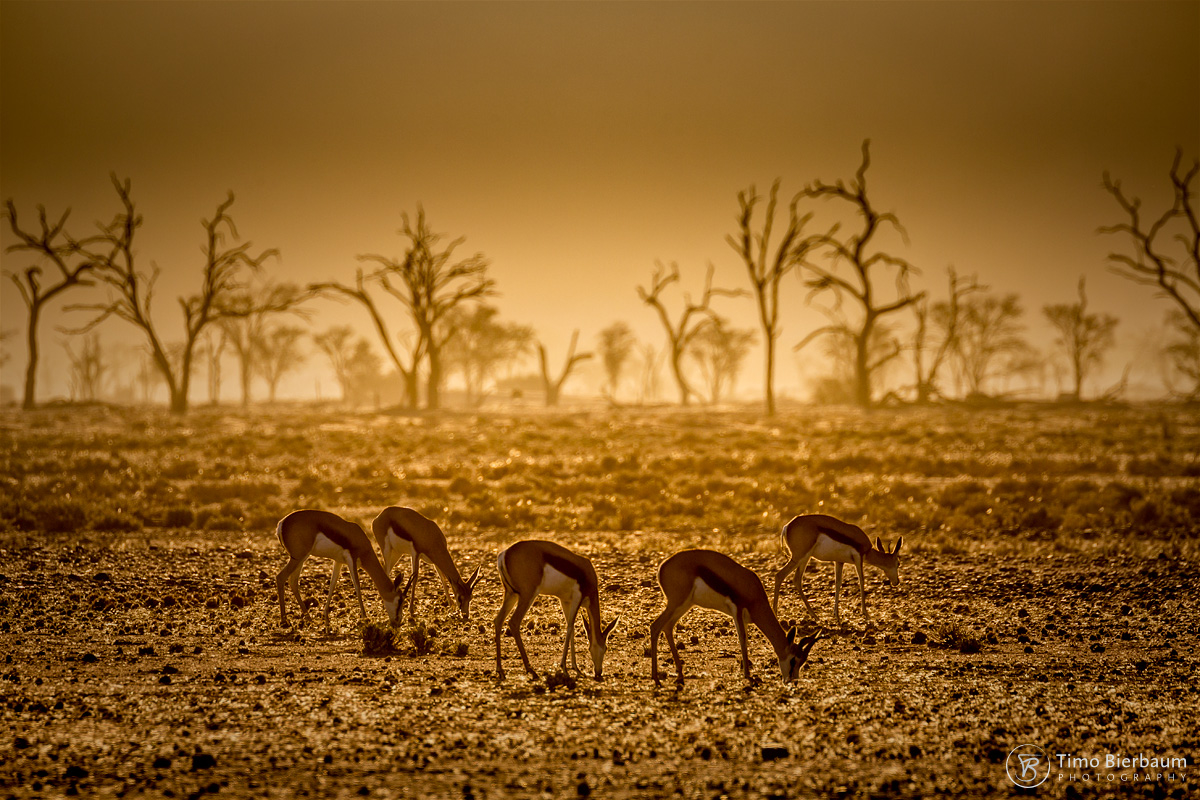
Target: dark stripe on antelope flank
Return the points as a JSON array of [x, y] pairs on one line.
[[718, 584], [567, 567], [334, 532], [842, 538], [400, 532]]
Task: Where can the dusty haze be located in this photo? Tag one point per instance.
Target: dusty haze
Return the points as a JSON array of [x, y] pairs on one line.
[[575, 144]]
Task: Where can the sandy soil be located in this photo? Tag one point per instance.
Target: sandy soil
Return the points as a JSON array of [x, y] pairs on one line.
[[146, 664]]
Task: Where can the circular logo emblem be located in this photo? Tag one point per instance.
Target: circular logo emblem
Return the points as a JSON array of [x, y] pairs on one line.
[[1027, 766]]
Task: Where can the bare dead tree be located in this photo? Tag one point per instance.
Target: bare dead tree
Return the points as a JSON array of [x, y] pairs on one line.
[[277, 352], [88, 368], [148, 375], [1175, 274], [651, 362], [245, 319], [766, 270], [1183, 356], [552, 385], [719, 351], [482, 346], [210, 350], [944, 316], [1027, 364], [681, 331], [429, 282], [365, 373], [1084, 338], [841, 349], [616, 346], [337, 343], [988, 330], [72, 266], [407, 366], [860, 252], [222, 276], [5, 335]]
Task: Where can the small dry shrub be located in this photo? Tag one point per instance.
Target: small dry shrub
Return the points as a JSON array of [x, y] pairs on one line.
[[956, 636], [379, 640], [1040, 519], [52, 515], [959, 492], [555, 680], [177, 517], [180, 469], [1121, 495], [604, 506], [118, 520], [1188, 500], [422, 637], [97, 464], [222, 522], [1145, 514], [223, 491]]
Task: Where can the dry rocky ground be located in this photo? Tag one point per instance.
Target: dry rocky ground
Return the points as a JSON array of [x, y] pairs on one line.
[[150, 662]]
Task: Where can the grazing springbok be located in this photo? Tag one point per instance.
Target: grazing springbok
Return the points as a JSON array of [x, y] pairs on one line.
[[533, 567], [829, 539], [406, 532], [326, 535], [713, 580]]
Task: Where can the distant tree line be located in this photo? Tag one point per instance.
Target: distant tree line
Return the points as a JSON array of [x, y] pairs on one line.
[[882, 332], [428, 307]]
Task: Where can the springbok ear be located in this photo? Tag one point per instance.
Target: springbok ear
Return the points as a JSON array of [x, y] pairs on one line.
[[791, 636], [398, 580], [471, 581], [879, 545], [899, 542], [611, 625]]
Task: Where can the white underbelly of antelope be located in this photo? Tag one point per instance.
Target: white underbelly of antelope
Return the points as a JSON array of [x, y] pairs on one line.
[[324, 547], [705, 596], [559, 585]]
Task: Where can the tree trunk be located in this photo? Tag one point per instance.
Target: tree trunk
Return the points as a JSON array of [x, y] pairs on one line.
[[29, 400], [412, 389], [180, 389], [862, 376], [769, 382], [677, 367], [214, 382], [247, 378], [433, 387]]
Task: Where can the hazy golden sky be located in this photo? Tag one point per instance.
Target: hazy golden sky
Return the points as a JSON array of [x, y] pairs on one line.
[[576, 143]]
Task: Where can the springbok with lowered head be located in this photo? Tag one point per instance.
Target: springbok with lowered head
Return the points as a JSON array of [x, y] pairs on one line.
[[407, 532], [309, 532], [826, 538], [532, 567], [713, 580]]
